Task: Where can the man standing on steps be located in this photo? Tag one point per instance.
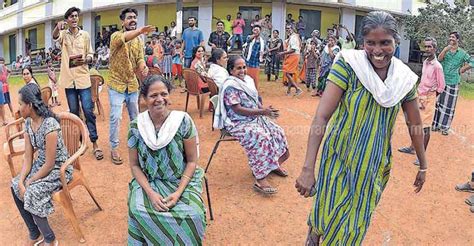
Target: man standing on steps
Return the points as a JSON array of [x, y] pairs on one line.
[[431, 84], [455, 61], [237, 31], [126, 60], [74, 75], [219, 38], [192, 37]]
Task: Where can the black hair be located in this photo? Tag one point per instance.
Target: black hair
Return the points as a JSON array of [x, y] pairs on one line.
[[124, 12], [455, 33], [239, 13], [149, 51], [31, 72], [2, 59], [267, 15], [192, 17], [70, 11], [216, 54], [150, 80], [376, 19], [31, 94], [195, 49], [259, 27], [219, 21], [275, 30], [231, 62]]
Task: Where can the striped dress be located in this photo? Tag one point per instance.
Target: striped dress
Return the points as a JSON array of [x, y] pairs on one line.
[[185, 223], [355, 161]]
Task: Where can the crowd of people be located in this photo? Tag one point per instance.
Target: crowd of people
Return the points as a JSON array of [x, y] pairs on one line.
[[362, 92]]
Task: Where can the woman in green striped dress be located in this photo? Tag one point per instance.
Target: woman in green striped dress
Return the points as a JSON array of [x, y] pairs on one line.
[[360, 104], [164, 201]]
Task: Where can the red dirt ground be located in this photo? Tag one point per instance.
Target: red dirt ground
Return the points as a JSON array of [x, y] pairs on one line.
[[437, 215]]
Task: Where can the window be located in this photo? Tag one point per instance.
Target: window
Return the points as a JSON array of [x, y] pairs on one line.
[[32, 37], [188, 12], [312, 19], [248, 14], [358, 28], [12, 47]]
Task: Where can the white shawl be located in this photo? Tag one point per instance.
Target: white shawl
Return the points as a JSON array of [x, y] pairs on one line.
[[400, 79], [247, 85], [168, 130]]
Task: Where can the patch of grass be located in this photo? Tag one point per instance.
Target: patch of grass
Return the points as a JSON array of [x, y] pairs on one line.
[[467, 90]]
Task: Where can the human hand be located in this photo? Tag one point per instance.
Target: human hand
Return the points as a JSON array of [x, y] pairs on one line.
[[147, 29], [448, 47], [61, 25], [419, 180], [145, 72], [305, 183], [213, 46], [271, 112], [158, 202], [22, 190], [172, 199]]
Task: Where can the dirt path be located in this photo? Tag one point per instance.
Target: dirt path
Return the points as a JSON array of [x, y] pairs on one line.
[[438, 215]]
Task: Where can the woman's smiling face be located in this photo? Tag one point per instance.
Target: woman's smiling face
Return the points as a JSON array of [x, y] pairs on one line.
[[379, 46]]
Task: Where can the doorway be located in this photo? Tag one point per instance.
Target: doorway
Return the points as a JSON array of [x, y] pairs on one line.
[[312, 19], [248, 14], [12, 47]]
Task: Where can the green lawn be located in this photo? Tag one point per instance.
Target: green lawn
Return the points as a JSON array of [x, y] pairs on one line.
[[467, 90]]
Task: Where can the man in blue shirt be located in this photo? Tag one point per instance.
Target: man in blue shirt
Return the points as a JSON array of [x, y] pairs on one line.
[[192, 37]]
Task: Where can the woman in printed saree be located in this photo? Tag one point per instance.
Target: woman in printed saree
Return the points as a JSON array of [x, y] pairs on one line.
[[164, 201], [240, 112], [327, 58], [365, 91]]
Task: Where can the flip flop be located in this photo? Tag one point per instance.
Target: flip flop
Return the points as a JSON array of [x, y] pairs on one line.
[[264, 190], [280, 172], [416, 162], [116, 160], [466, 187], [37, 243], [98, 154], [470, 201], [407, 150]]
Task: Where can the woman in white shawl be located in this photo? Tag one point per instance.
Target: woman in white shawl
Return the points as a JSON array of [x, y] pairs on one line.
[[240, 112], [365, 91], [217, 70], [164, 201]]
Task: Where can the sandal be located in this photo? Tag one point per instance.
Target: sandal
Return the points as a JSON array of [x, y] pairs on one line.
[[407, 150], [466, 187], [117, 160], [280, 172], [98, 154], [264, 190], [470, 201], [39, 242]]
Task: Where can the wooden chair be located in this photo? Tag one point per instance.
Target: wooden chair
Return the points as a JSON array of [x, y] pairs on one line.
[[74, 133], [96, 81], [192, 80], [154, 71], [15, 143], [46, 94]]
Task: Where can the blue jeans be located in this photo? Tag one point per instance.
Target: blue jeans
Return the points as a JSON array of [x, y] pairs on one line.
[[187, 62], [116, 100], [84, 95], [237, 36]]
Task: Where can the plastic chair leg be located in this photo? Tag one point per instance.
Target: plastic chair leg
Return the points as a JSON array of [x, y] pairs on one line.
[[69, 212]]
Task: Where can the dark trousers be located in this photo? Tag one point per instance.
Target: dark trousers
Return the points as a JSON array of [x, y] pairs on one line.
[[84, 95], [36, 225]]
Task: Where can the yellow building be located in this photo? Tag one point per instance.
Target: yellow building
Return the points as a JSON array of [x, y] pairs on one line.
[[35, 19]]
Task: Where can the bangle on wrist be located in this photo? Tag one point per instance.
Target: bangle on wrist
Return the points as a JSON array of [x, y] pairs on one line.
[[186, 176], [422, 170]]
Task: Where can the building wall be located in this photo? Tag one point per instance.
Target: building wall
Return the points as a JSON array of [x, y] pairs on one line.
[[328, 15], [6, 47], [223, 8], [110, 17], [166, 13]]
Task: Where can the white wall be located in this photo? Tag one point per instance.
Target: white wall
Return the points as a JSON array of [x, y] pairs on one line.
[[279, 17], [1, 48], [20, 43], [405, 43], [48, 34], [348, 19]]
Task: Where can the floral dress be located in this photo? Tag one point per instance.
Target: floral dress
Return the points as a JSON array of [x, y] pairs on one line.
[[185, 223], [37, 198], [263, 140]]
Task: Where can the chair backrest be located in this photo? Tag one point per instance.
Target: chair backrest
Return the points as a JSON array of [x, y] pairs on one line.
[[14, 127], [74, 133], [192, 79], [154, 71], [213, 88], [46, 94], [96, 81]]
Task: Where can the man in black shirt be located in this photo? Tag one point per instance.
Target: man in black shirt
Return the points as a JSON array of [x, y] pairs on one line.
[[219, 38]]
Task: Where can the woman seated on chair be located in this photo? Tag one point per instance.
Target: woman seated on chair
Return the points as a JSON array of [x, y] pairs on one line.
[[39, 177], [217, 69], [240, 112], [164, 201], [199, 65], [28, 77]]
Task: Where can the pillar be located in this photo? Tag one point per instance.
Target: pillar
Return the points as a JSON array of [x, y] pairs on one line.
[[142, 17], [20, 42], [405, 43], [88, 26], [48, 34], [279, 16], [1, 49], [348, 19], [205, 18]]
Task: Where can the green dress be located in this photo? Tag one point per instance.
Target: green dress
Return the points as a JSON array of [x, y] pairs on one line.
[[185, 223], [355, 161]]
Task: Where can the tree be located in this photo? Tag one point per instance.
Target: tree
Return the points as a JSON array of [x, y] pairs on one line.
[[438, 20]]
